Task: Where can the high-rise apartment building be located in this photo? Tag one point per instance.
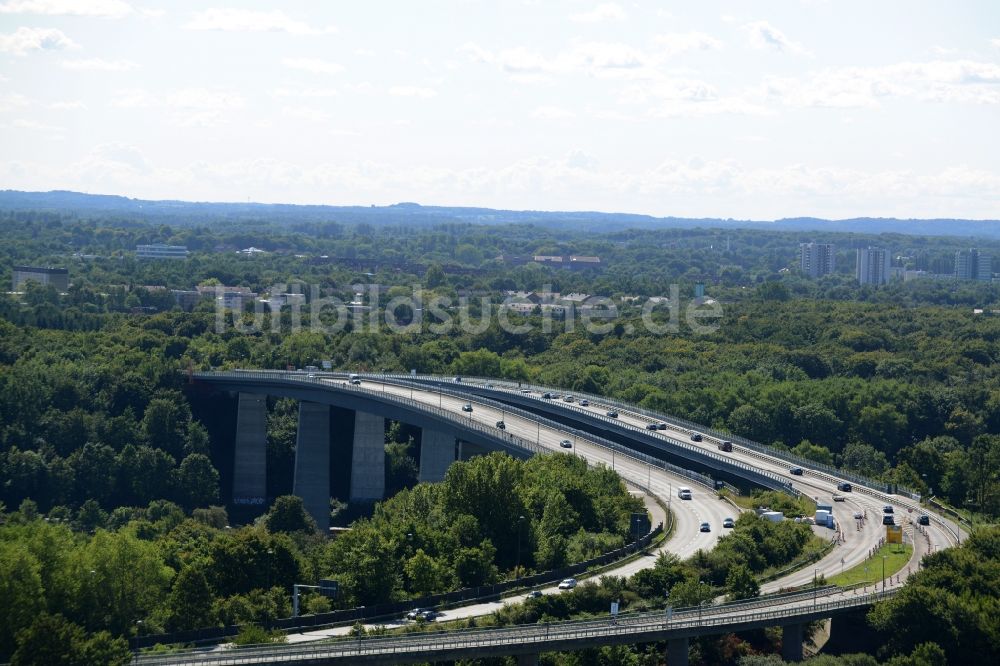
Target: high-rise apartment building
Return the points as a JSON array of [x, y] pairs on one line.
[[816, 259], [873, 266], [973, 265]]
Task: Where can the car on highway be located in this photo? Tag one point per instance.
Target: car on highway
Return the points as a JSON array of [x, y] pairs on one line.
[[415, 613], [566, 444], [887, 519], [725, 445], [696, 437], [353, 377], [684, 493], [584, 403], [924, 519], [501, 425], [548, 396], [858, 515], [525, 390], [356, 381], [612, 413], [839, 498], [457, 380], [311, 375], [661, 425], [705, 527], [729, 523], [795, 471], [534, 594], [569, 398], [844, 487], [888, 509], [429, 615], [567, 584], [467, 407], [651, 426]]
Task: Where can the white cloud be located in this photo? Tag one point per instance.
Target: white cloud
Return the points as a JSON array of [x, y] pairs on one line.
[[674, 43], [34, 125], [24, 40], [552, 113], [248, 20], [995, 43], [97, 64], [601, 13], [962, 81], [314, 65], [188, 107], [763, 35], [306, 113], [11, 101], [943, 50], [67, 106], [412, 91], [304, 92], [104, 8]]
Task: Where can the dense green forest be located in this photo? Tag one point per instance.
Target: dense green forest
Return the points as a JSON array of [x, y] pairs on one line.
[[107, 457]]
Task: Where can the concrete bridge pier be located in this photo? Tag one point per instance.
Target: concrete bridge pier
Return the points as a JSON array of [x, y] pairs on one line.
[[368, 458], [527, 660], [437, 453], [250, 462], [791, 642], [312, 462], [677, 652]]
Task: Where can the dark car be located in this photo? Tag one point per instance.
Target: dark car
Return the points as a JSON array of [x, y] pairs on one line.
[[705, 527], [534, 594], [795, 471], [696, 437], [728, 523], [651, 426], [887, 509], [566, 444], [457, 380], [844, 487], [726, 446], [415, 613], [547, 396], [661, 426], [467, 407], [924, 519], [501, 425], [429, 615], [613, 414], [887, 519]]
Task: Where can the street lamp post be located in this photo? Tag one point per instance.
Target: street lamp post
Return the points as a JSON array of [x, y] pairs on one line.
[[267, 610], [815, 585], [883, 572]]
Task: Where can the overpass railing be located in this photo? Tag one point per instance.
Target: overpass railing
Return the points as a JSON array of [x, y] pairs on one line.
[[549, 636]]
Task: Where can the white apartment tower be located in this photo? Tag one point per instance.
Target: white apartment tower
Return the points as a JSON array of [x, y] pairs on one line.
[[816, 259], [873, 266]]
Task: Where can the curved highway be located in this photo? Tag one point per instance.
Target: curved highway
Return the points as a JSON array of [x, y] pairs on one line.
[[854, 538]]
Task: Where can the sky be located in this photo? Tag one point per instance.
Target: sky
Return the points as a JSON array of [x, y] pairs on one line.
[[746, 110]]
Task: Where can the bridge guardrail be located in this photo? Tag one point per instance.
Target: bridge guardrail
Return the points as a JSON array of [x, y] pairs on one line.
[[546, 636]]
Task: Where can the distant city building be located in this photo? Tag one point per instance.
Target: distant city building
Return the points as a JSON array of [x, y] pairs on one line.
[[973, 265], [57, 277], [157, 251], [579, 262], [699, 290], [186, 298], [816, 259], [873, 266]]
